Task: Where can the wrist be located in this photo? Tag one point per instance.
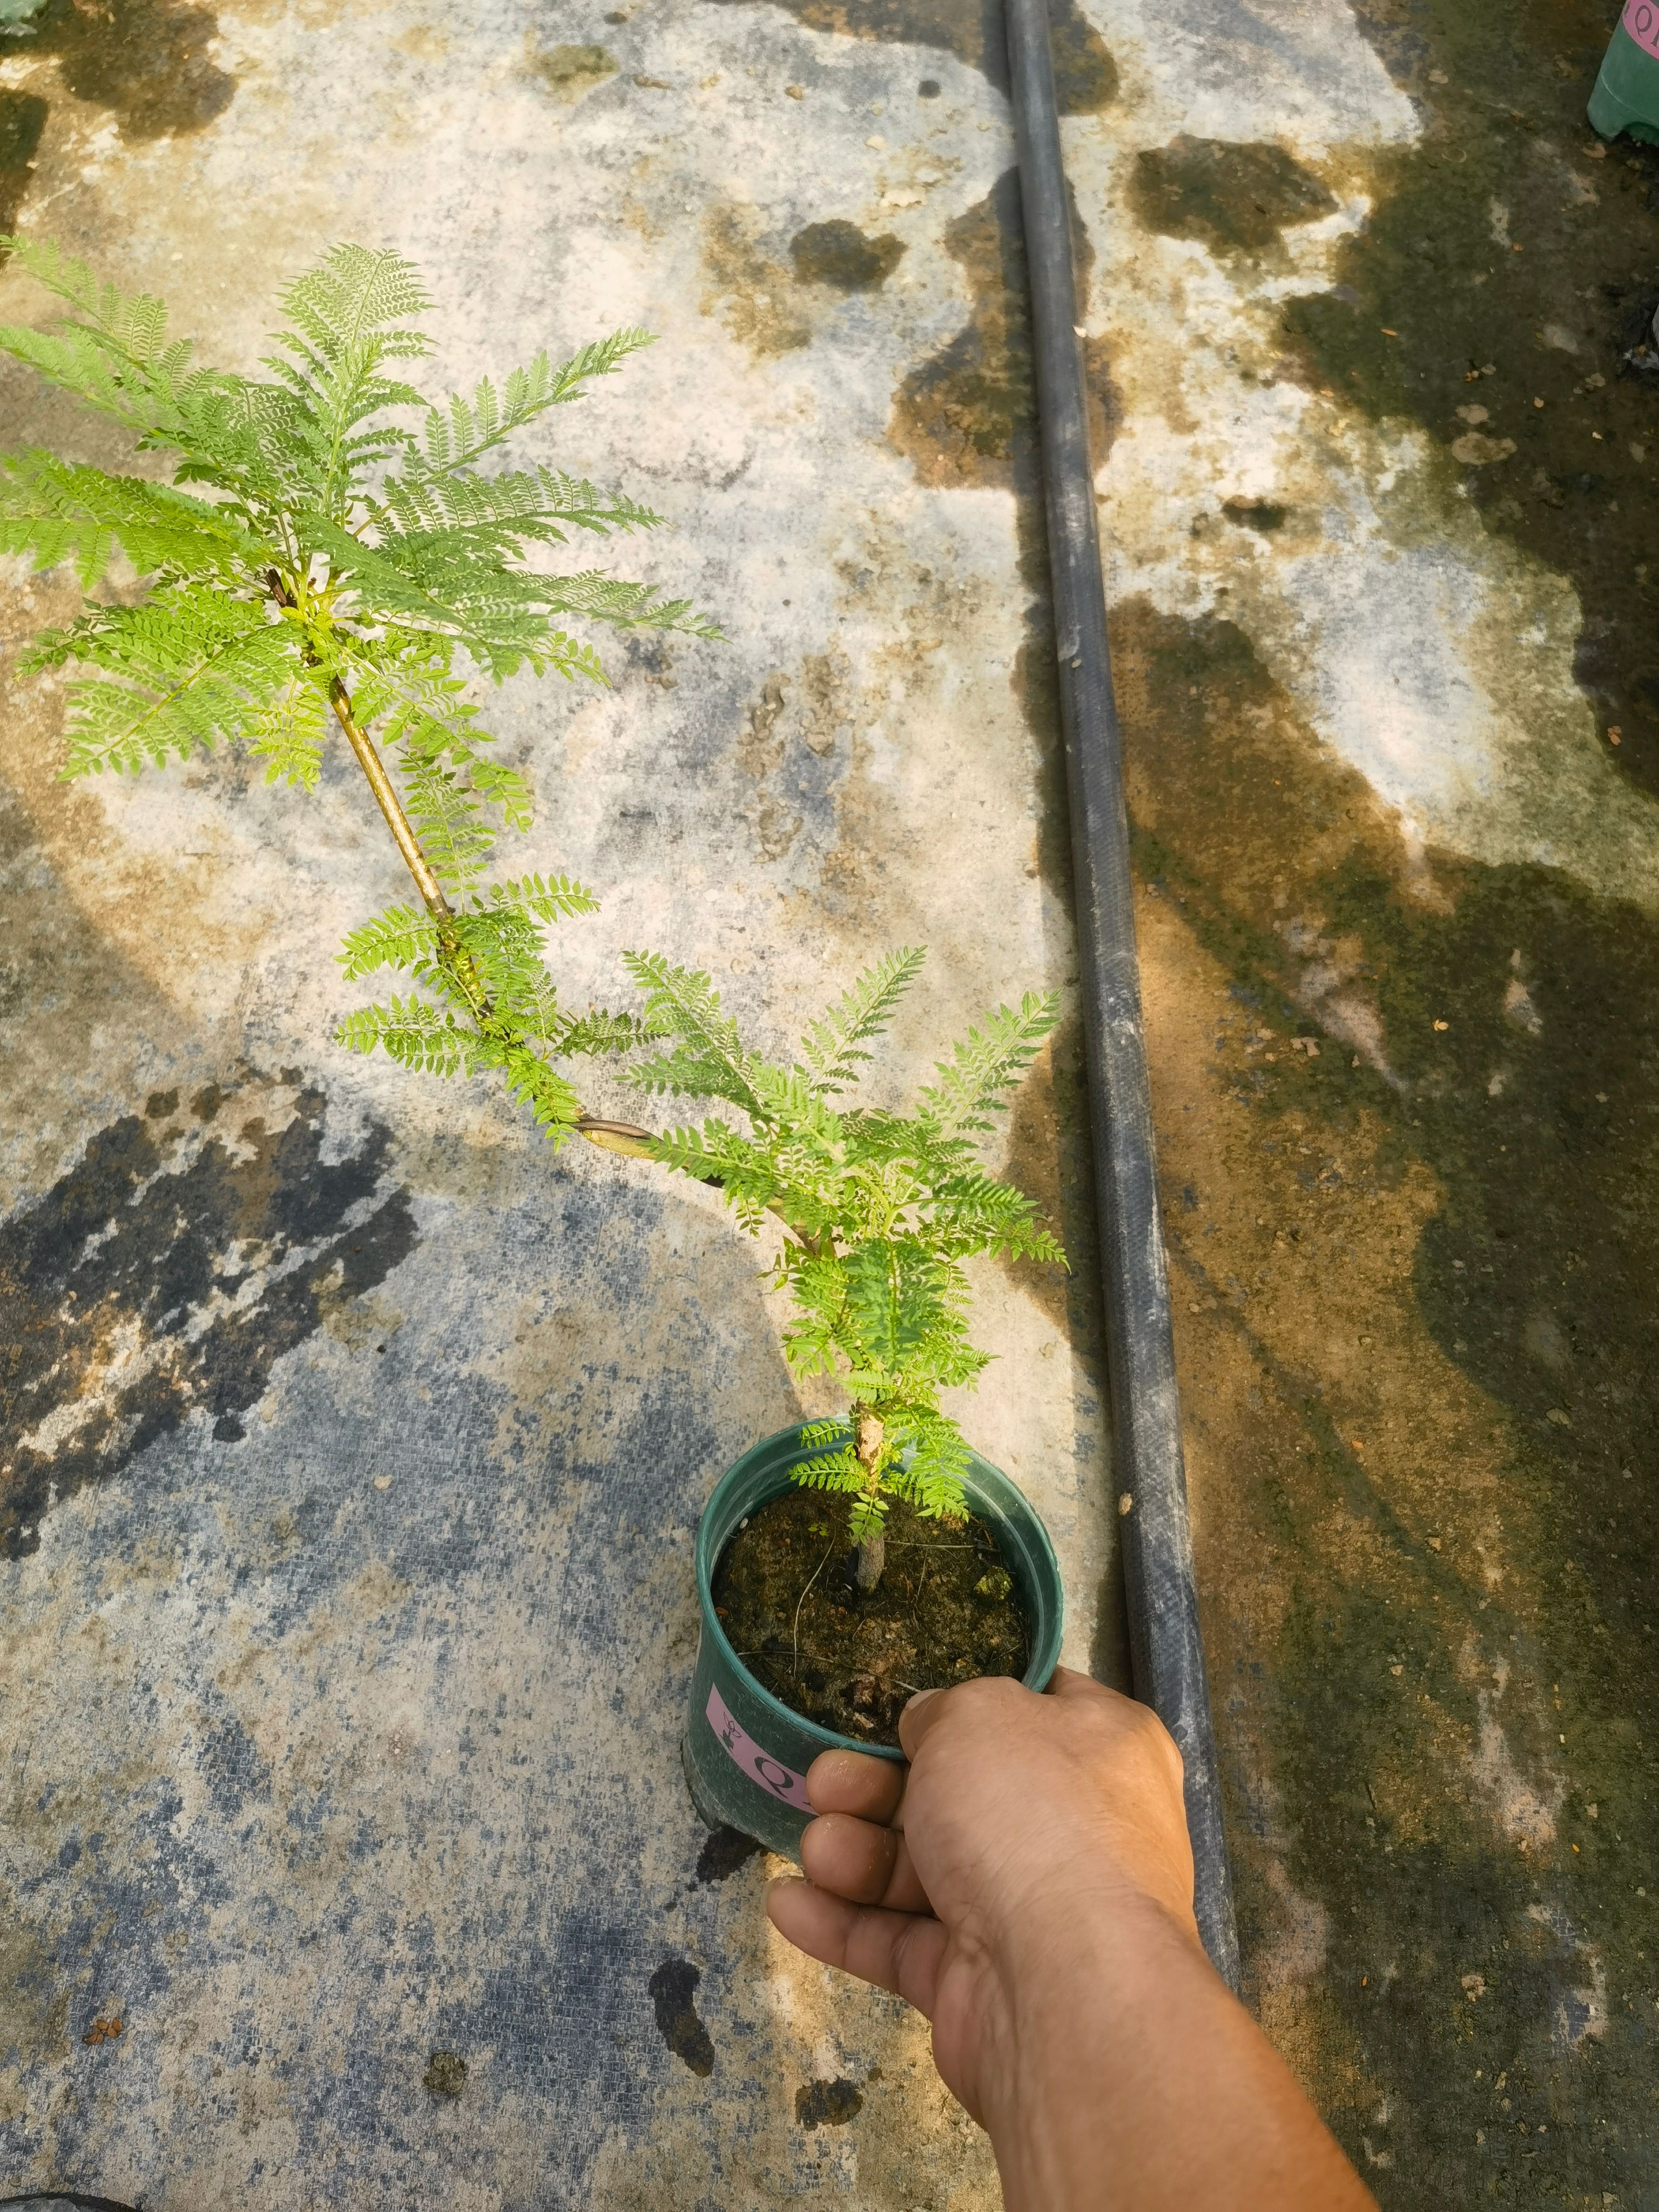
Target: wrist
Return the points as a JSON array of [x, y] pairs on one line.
[[1090, 1900], [1083, 1972]]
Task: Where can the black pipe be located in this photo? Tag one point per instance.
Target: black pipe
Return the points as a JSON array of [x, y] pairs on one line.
[[1149, 1476]]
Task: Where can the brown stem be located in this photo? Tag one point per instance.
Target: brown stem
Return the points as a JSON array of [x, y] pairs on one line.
[[871, 1557], [626, 1137], [368, 759], [380, 784]]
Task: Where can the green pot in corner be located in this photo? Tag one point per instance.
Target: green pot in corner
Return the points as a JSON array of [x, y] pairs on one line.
[[1626, 94], [746, 1753]]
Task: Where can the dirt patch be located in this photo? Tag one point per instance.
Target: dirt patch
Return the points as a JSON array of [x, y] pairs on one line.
[[672, 1989], [1417, 1353], [1508, 265], [968, 414], [946, 1610], [568, 71], [446, 2075], [827, 2103], [146, 61], [1238, 197], [748, 286], [842, 256], [22, 119], [724, 1851]]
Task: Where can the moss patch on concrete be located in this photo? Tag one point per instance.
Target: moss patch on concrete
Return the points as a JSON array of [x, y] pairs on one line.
[[1495, 295], [1242, 196], [1407, 1112]]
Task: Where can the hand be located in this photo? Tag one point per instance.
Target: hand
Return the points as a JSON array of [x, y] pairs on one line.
[[1028, 1885], [1017, 1811]]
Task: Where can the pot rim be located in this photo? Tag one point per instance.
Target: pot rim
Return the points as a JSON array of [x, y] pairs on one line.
[[706, 1560]]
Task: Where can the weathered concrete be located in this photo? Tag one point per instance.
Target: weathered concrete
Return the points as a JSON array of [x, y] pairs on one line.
[[310, 1778]]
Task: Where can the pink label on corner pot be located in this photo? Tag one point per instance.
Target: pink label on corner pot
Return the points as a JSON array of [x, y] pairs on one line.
[[1641, 19], [774, 1776]]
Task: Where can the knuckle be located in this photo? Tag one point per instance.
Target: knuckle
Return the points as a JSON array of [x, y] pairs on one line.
[[973, 1700], [1146, 1738]]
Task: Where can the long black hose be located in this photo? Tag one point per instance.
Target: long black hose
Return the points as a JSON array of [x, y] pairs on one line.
[[1149, 1475]]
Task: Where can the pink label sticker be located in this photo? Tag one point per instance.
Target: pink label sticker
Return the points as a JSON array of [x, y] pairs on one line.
[[774, 1776], [1642, 21]]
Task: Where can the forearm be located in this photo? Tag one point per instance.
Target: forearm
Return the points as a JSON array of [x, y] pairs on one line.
[[1130, 2078]]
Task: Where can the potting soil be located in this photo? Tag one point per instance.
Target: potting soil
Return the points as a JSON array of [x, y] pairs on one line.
[[944, 1610]]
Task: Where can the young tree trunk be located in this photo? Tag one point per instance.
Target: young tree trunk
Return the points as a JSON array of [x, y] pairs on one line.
[[870, 1557]]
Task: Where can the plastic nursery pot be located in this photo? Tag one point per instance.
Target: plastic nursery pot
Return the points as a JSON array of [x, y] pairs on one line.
[[1626, 94], [746, 1753]]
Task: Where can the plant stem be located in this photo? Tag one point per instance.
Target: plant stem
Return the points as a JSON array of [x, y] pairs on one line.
[[391, 805], [624, 1137], [871, 1557]]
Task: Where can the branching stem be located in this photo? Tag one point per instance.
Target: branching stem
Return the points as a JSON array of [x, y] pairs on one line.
[[626, 1137]]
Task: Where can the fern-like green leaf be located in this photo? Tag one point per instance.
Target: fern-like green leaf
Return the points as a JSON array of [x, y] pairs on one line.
[[544, 1089], [287, 730], [974, 1082], [57, 511], [455, 436], [623, 606], [933, 1464], [413, 1032], [597, 1031], [183, 671], [833, 1471], [833, 1048], [330, 552], [351, 314], [549, 898], [683, 1003], [448, 821], [113, 353], [402, 937]]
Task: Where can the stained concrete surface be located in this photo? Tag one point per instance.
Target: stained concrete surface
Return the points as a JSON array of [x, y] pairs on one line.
[[355, 1445]]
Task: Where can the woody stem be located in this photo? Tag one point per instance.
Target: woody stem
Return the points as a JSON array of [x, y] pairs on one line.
[[624, 1137], [871, 1556]]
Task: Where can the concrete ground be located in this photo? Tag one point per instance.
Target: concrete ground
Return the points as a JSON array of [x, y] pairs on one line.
[[353, 1443]]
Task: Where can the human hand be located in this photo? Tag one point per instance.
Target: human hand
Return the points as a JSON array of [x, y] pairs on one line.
[[1028, 1885], [1020, 1818]]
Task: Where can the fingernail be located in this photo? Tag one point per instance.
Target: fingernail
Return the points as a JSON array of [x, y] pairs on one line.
[[920, 1698]]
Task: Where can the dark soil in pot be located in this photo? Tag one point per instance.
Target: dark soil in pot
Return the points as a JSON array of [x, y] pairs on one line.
[[945, 1609]]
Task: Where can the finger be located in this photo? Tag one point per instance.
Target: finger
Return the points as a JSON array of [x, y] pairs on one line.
[[865, 1863], [919, 1715], [849, 1782], [898, 1951]]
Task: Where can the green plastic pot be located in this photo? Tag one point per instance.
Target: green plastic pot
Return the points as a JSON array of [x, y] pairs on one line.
[[746, 1753], [1626, 94]]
